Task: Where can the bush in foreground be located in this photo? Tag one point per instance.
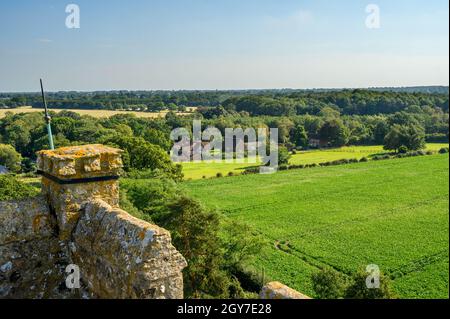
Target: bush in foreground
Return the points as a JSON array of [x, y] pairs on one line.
[[331, 284], [358, 288]]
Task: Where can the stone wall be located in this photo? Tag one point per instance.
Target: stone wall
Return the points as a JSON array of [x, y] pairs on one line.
[[123, 257], [32, 258], [77, 221]]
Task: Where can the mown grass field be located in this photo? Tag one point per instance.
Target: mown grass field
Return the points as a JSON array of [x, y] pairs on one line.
[[93, 113], [392, 213], [197, 170]]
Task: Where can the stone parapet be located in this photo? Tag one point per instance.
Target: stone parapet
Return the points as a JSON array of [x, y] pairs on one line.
[[121, 256]]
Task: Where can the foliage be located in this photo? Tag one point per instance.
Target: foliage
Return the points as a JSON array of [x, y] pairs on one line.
[[11, 188], [329, 284], [358, 288], [10, 158], [403, 149], [283, 156], [410, 137], [140, 154], [300, 136], [334, 132]]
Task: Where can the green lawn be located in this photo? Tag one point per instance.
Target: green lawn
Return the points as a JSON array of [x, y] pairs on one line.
[[198, 170], [391, 213]]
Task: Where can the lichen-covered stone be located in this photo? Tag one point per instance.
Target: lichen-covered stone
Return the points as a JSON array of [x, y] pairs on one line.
[[276, 290], [78, 162], [34, 270], [32, 259], [123, 257], [25, 220]]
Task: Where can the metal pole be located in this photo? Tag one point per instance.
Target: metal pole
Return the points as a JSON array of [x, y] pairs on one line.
[[48, 119]]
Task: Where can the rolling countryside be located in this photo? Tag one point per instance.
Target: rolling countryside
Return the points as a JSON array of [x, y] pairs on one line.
[[390, 213]]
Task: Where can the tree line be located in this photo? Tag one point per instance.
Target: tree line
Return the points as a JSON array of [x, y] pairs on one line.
[[256, 102]]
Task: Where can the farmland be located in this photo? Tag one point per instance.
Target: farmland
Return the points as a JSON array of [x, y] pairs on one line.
[[197, 170], [93, 113], [390, 213]]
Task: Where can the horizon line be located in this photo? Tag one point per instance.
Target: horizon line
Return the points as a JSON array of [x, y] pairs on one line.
[[237, 89]]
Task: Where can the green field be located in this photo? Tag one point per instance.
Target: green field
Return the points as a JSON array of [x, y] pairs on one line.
[[197, 170], [392, 213]]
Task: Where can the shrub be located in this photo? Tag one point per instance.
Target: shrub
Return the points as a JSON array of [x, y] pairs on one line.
[[283, 155], [212, 248], [421, 153], [444, 150], [283, 167], [364, 159], [329, 284], [403, 149], [429, 152], [230, 174], [219, 175], [10, 158], [251, 170], [358, 288]]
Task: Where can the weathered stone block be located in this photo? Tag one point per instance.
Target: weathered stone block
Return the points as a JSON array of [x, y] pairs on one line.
[[276, 290], [25, 220]]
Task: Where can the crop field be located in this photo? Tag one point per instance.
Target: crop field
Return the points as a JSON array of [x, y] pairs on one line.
[[198, 170], [93, 113], [393, 213], [207, 169]]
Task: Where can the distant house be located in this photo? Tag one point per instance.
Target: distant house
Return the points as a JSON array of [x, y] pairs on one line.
[[317, 142], [3, 170]]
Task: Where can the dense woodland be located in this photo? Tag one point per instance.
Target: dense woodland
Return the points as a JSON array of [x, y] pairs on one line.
[[256, 102]]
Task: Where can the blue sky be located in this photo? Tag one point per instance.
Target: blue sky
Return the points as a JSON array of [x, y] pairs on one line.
[[222, 44]]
